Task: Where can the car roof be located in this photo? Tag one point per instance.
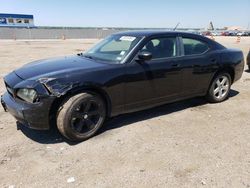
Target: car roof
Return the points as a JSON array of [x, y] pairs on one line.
[[148, 33], [152, 33]]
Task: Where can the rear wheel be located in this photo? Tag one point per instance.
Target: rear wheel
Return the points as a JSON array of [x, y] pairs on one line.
[[219, 88], [81, 116]]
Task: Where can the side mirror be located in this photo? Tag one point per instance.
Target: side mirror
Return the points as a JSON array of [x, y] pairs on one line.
[[144, 56]]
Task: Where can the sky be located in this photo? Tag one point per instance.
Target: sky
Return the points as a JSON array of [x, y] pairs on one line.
[[133, 13]]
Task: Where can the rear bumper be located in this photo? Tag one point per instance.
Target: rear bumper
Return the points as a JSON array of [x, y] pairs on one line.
[[34, 116], [238, 70]]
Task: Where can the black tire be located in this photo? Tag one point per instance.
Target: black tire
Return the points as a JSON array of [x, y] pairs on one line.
[[219, 92], [81, 116]]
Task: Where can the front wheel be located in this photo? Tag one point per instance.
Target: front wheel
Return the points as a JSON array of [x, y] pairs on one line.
[[219, 89], [81, 116]]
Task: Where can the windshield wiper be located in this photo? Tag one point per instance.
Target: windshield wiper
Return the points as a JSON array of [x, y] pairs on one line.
[[88, 56], [80, 54]]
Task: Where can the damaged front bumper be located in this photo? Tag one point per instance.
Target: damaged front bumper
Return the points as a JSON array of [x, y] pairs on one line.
[[34, 116]]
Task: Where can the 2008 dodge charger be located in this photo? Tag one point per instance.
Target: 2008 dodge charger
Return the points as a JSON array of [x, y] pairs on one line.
[[126, 72]]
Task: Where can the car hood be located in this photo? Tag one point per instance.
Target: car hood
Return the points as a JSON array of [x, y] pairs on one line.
[[54, 66]]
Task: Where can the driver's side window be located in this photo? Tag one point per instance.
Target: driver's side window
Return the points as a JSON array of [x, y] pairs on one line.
[[161, 47]]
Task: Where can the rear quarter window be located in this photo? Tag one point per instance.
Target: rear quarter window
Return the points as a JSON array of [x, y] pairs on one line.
[[194, 46]]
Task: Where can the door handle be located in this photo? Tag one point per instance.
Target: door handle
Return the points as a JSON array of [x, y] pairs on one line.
[[195, 66], [213, 60], [175, 65]]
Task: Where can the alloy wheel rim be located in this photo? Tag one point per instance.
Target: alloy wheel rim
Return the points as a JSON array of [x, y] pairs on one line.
[[86, 116], [221, 87]]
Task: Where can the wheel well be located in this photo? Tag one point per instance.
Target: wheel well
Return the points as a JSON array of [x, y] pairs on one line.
[[228, 70], [58, 101]]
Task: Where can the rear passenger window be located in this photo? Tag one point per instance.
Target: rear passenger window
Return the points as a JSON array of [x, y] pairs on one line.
[[161, 47], [193, 46]]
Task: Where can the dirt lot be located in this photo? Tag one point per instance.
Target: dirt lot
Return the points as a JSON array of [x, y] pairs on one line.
[[185, 144]]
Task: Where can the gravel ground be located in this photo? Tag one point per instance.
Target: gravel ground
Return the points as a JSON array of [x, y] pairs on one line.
[[184, 144]]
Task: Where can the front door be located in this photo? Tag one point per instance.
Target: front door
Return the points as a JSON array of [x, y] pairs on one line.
[[156, 81]]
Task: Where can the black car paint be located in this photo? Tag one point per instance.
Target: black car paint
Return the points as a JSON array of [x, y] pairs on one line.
[[126, 87], [248, 59]]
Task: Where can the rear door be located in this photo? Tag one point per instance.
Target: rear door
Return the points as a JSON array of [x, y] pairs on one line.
[[198, 63]]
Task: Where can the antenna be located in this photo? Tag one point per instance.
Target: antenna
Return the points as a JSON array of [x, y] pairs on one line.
[[176, 26]]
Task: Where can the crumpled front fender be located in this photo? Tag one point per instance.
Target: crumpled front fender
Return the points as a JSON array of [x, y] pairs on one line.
[[57, 86]]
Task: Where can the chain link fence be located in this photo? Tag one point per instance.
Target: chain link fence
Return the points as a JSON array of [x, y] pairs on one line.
[[54, 33]]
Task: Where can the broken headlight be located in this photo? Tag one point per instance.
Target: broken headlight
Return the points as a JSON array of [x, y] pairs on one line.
[[28, 95]]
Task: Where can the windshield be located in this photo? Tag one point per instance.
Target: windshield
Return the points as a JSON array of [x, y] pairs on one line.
[[112, 49]]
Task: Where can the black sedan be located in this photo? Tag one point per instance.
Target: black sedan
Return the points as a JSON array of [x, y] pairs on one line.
[[125, 72]]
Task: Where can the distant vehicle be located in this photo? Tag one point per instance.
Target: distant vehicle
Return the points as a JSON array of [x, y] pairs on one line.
[[206, 33], [126, 72], [240, 34], [224, 33], [195, 32], [232, 33], [216, 33], [229, 33], [243, 33], [248, 60]]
